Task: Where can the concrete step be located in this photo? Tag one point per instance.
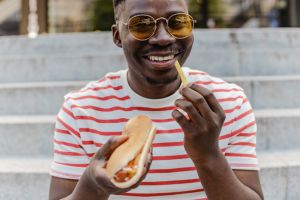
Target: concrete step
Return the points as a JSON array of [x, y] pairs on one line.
[[269, 92], [59, 68], [56, 44], [280, 175], [277, 130], [246, 62], [71, 43], [86, 56], [46, 98], [24, 178], [34, 98], [89, 66], [29, 178], [247, 38], [26, 136]]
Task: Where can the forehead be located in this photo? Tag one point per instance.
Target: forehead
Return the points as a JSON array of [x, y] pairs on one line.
[[154, 7]]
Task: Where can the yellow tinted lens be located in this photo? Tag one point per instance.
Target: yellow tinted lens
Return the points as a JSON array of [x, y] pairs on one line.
[[181, 25], [141, 27]]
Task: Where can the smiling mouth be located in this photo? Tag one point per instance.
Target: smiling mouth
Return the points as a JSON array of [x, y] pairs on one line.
[[161, 58]]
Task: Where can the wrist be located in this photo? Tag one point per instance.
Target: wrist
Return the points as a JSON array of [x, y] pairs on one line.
[[90, 179], [210, 160], [88, 189]]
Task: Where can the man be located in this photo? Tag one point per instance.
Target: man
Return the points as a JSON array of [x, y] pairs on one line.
[[206, 130]]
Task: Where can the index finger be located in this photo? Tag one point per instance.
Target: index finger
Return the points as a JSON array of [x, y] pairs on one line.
[[209, 97], [109, 147]]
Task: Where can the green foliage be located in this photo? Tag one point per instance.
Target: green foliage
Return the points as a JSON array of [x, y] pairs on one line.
[[102, 15], [194, 10], [216, 10]]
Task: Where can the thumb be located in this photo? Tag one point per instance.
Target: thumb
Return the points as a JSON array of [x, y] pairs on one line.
[[108, 148]]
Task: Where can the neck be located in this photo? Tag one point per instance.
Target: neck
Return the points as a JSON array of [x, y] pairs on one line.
[[150, 90]]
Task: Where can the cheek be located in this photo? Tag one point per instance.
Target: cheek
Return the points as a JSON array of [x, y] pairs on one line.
[[188, 43], [131, 50]]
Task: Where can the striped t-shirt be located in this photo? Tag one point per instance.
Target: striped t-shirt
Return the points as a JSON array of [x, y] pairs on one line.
[[90, 116]]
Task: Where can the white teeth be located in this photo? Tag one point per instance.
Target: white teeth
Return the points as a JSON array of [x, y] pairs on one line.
[[161, 58]]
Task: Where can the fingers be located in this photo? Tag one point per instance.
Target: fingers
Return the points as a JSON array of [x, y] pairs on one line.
[[181, 120], [209, 97], [108, 148], [197, 100], [200, 104], [148, 164], [190, 109]]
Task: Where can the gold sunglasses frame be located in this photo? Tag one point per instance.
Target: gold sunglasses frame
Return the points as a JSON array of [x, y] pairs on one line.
[[155, 27]]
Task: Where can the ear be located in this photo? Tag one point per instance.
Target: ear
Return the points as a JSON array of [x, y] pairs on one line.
[[116, 35]]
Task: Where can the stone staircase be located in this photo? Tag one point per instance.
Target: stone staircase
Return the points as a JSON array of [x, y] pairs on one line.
[[35, 75]]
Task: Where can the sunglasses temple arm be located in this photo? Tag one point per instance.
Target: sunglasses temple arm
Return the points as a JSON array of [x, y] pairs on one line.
[[124, 23]]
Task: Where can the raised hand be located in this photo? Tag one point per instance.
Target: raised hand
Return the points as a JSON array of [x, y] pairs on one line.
[[203, 122]]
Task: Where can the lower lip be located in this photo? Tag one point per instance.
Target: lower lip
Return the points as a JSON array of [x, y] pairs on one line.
[[162, 64]]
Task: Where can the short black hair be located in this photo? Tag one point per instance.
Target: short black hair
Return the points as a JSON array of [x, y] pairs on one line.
[[116, 3]]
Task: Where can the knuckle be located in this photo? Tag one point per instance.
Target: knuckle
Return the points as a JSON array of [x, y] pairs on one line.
[[180, 118], [223, 116], [215, 124], [94, 173], [184, 90], [177, 115], [205, 129], [209, 95], [194, 86], [110, 141], [192, 136], [200, 100], [189, 106]]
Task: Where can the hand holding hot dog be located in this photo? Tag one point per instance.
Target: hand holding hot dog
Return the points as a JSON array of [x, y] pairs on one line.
[[123, 162]]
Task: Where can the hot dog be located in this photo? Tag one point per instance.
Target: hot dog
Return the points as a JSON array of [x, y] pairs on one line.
[[126, 164]]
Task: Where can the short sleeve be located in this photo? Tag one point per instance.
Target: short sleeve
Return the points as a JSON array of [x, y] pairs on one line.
[[241, 150], [70, 159]]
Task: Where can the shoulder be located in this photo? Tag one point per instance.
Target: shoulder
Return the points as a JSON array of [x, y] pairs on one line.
[[211, 82], [109, 84], [224, 91]]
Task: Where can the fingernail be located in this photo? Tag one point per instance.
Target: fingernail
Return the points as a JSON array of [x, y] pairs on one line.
[[189, 85], [180, 90]]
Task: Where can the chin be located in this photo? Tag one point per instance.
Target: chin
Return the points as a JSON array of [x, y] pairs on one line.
[[161, 82]]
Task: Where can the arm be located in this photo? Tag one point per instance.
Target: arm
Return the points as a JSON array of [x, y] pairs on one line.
[[69, 189], [221, 182], [94, 183], [202, 129]]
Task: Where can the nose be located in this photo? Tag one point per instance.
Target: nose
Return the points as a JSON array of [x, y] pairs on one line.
[[161, 36]]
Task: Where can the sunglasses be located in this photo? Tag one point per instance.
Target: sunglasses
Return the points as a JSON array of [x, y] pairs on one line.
[[143, 27]]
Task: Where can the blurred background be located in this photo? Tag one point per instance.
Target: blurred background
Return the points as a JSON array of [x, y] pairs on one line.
[[247, 42], [57, 16]]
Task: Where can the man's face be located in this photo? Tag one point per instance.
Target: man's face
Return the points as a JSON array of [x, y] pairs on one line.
[[145, 57]]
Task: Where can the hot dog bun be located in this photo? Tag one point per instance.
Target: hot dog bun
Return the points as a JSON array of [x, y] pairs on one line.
[[141, 133]]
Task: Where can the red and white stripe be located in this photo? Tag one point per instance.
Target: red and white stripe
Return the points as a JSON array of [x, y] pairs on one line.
[[90, 116]]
